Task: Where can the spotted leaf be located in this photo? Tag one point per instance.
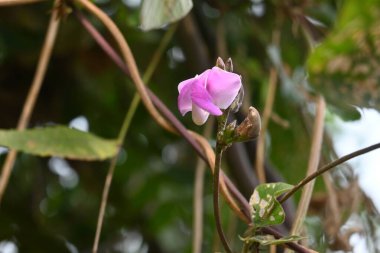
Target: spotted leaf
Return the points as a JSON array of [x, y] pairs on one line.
[[265, 209]]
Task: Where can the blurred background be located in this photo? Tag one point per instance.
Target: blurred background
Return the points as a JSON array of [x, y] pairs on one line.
[[315, 46]]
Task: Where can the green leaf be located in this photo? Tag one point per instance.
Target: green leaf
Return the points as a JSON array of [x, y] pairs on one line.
[[346, 66], [59, 141], [266, 210], [270, 240], [157, 13]]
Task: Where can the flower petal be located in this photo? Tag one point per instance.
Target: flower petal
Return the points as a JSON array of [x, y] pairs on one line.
[[202, 78], [185, 88], [202, 98], [184, 97], [199, 115], [187, 82], [223, 87]]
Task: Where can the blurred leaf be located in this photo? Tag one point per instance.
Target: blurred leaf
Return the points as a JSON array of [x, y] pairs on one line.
[[270, 240], [59, 141], [157, 13], [266, 210], [346, 67]]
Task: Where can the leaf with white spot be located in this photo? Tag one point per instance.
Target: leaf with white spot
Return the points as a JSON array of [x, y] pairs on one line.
[[270, 240], [265, 209]]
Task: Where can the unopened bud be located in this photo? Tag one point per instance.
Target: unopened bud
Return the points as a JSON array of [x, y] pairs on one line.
[[229, 66], [238, 101], [250, 127], [220, 63]]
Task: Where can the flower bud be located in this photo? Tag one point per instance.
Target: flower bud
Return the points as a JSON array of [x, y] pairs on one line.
[[229, 66], [250, 127], [238, 101], [220, 63]]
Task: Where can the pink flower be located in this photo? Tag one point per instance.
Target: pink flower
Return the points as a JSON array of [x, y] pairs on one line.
[[207, 93]]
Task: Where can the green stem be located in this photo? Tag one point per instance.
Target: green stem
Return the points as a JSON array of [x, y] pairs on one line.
[[218, 161], [326, 168]]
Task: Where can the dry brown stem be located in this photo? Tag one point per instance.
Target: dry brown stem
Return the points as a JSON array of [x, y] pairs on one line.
[[17, 2], [312, 167]]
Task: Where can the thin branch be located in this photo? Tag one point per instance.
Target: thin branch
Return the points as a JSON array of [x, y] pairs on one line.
[[315, 152], [260, 152], [34, 90], [103, 204], [17, 2], [328, 167]]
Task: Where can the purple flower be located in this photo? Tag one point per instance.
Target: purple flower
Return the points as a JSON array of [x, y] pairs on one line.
[[207, 93]]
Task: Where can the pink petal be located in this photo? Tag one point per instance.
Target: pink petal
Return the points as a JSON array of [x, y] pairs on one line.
[[184, 97], [202, 99], [186, 83], [199, 115], [223, 87], [202, 78], [185, 88]]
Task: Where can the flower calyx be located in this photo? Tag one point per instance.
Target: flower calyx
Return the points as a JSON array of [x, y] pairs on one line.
[[248, 130]]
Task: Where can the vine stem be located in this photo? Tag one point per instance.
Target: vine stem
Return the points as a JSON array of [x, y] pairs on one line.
[[124, 129], [17, 2], [218, 161], [34, 90], [326, 168]]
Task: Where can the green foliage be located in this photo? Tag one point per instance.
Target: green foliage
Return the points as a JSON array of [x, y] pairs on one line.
[[59, 141], [266, 210], [155, 14], [345, 67]]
